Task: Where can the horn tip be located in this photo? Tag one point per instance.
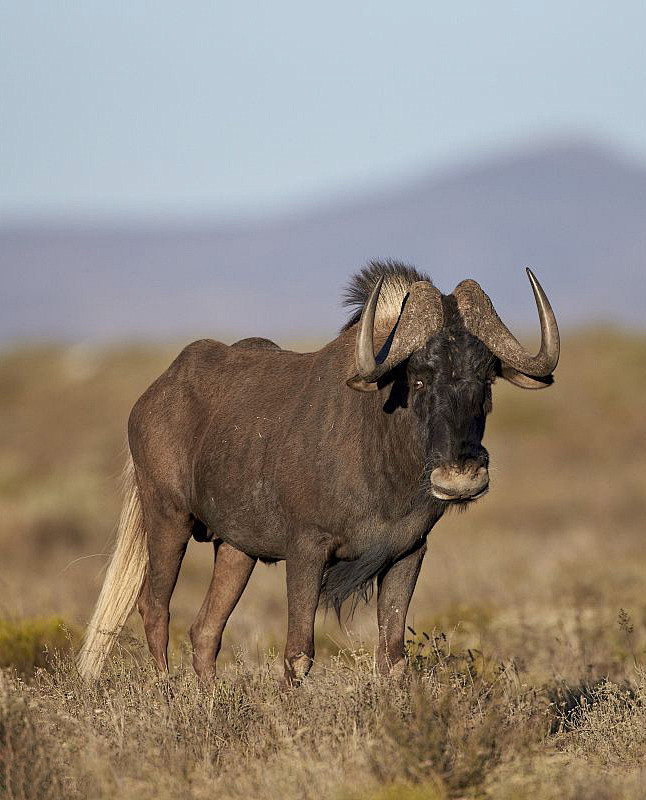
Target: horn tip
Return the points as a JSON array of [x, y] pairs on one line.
[[533, 280]]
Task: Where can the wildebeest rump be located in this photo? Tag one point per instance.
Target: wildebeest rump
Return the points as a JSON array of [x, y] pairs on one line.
[[339, 462]]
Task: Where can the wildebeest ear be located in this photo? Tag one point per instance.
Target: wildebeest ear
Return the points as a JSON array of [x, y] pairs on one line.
[[524, 381], [359, 385]]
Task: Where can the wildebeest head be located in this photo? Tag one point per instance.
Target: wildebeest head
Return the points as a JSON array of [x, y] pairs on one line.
[[447, 350]]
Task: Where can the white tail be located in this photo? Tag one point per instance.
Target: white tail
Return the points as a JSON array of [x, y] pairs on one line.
[[122, 584]]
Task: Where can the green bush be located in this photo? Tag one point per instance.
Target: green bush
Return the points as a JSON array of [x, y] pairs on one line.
[[403, 791], [28, 644]]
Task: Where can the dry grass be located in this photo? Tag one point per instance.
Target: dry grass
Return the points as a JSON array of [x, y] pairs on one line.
[[536, 689], [457, 726]]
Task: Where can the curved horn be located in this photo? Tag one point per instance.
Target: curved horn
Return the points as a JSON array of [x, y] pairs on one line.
[[524, 381], [364, 351], [420, 318], [481, 320]]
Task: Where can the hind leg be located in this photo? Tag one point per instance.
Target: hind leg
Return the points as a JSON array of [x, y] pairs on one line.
[[168, 534], [231, 572]]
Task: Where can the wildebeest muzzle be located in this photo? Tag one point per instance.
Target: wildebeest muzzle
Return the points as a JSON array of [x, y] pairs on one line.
[[454, 484]]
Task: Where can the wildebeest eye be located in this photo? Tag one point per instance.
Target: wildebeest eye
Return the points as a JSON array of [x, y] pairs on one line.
[[417, 385]]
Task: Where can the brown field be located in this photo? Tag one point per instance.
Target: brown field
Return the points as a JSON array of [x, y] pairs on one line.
[[528, 642]]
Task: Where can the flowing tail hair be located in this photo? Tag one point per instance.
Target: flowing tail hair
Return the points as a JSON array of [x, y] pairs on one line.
[[122, 585]]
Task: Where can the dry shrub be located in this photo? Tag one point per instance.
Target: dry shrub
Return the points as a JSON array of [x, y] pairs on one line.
[[568, 778], [30, 763], [462, 717], [609, 724]]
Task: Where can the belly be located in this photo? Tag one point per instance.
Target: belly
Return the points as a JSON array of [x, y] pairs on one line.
[[248, 518]]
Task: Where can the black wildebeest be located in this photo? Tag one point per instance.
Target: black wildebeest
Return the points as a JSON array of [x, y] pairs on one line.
[[339, 462]]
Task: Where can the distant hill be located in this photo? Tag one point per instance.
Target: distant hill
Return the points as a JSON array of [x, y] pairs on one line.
[[575, 212]]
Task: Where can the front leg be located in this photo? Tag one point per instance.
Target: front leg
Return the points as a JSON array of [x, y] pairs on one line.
[[304, 566], [395, 589]]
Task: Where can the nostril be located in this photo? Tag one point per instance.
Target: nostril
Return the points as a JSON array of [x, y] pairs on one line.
[[474, 467]]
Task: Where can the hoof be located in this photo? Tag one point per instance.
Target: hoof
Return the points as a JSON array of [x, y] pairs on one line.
[[205, 678], [398, 670], [204, 667], [296, 669]]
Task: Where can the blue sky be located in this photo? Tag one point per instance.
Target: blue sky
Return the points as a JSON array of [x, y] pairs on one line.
[[207, 108]]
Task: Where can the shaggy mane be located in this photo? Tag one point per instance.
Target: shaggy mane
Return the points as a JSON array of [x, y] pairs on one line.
[[398, 278]]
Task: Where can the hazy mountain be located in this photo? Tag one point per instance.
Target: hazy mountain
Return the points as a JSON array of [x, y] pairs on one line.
[[576, 213]]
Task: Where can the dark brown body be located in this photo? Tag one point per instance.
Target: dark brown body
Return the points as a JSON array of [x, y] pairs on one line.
[[274, 455]]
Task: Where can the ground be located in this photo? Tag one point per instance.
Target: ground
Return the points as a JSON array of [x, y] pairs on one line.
[[528, 625]]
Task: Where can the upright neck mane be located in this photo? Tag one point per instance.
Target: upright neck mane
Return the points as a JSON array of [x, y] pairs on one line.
[[398, 278]]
